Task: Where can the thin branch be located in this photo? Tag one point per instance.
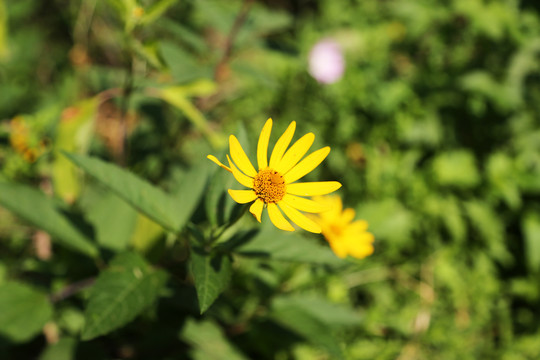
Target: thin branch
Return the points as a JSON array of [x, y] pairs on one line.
[[238, 22], [71, 290]]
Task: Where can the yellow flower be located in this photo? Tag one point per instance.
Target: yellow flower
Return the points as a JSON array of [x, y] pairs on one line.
[[274, 185], [346, 237]]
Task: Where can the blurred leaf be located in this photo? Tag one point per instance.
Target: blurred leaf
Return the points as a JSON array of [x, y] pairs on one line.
[[120, 293], [208, 341], [212, 273], [333, 315], [280, 245], [502, 175], [39, 210], [4, 49], [456, 168], [146, 234], [178, 97], [531, 230], [168, 211], [387, 219], [73, 134], [184, 66], [155, 11], [64, 349], [113, 220], [490, 227], [24, 311], [305, 323]]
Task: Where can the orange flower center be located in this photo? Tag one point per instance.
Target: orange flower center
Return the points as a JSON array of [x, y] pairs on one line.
[[269, 186]]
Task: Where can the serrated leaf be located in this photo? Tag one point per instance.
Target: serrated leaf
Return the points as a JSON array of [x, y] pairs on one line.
[[209, 342], [280, 245], [294, 317], [212, 273], [24, 311], [39, 210], [120, 293], [168, 211]]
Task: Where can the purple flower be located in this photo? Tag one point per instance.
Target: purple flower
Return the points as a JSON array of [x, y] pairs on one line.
[[326, 62]]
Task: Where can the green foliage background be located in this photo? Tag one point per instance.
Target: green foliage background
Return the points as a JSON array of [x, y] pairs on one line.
[[435, 136]]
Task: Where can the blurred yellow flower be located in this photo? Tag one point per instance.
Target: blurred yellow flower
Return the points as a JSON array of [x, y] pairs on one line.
[[274, 185], [345, 236]]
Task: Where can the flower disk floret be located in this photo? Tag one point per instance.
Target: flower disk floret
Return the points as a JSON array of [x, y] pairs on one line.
[[275, 185]]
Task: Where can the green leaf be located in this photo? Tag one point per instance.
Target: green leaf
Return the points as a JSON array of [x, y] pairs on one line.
[[64, 349], [121, 293], [184, 66], [177, 96], [306, 323], [208, 342], [168, 211], [388, 219], [490, 227], [280, 245], [4, 49], [220, 207], [456, 168], [331, 314], [531, 231], [39, 210], [155, 11], [113, 219], [24, 311], [212, 273], [73, 134]]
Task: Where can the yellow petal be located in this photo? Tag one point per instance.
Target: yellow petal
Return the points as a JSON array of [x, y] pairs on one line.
[[303, 204], [359, 246], [214, 159], [299, 219], [308, 164], [240, 158], [262, 146], [295, 153], [338, 247], [242, 196], [347, 215], [313, 188], [256, 209], [281, 145], [278, 219], [241, 178]]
